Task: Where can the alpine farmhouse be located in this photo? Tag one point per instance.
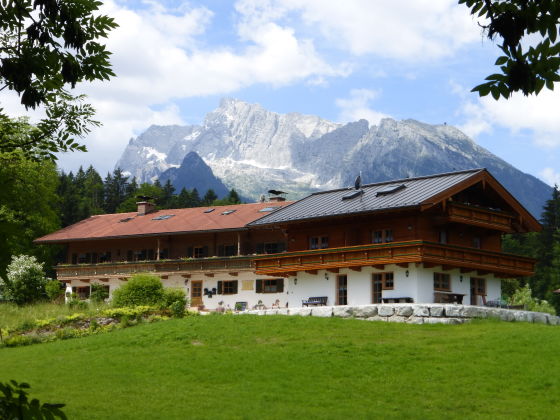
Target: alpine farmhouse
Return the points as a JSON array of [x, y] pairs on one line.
[[427, 239]]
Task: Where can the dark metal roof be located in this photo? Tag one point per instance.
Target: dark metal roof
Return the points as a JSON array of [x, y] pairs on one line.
[[416, 191]]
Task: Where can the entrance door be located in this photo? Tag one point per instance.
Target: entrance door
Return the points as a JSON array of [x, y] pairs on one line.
[[478, 288], [341, 290], [196, 293]]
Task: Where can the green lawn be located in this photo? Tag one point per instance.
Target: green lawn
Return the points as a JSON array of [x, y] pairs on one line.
[[293, 367]]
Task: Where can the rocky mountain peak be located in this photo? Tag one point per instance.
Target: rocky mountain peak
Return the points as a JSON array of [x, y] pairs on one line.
[[253, 149]]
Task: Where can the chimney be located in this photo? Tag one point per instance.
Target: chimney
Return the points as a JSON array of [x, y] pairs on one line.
[[276, 199], [145, 207]]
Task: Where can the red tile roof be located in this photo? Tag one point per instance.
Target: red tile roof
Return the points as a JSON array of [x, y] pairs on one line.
[[191, 220]]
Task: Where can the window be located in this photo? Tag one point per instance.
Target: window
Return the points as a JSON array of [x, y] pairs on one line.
[[270, 247], [341, 290], [225, 213], [270, 286], [209, 210], [230, 250], [105, 257], [163, 217], [385, 280], [318, 242], [82, 292], [199, 252], [389, 189], [442, 282], [271, 208], [381, 236], [476, 243], [442, 238], [227, 287]]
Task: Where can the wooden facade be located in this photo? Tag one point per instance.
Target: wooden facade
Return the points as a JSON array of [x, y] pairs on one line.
[[455, 232]]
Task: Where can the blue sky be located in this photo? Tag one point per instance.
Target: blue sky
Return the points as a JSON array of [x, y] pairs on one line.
[[340, 60]]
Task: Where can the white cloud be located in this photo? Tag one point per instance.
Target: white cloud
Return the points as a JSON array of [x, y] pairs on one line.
[[357, 107], [536, 114], [400, 29], [550, 176]]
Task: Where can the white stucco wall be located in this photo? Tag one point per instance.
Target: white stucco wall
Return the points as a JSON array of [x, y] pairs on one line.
[[419, 285]]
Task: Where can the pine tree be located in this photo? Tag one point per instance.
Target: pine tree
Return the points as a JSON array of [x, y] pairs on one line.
[[115, 188], [209, 197]]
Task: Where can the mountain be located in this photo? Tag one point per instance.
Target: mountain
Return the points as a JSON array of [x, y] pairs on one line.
[[252, 150], [194, 173]]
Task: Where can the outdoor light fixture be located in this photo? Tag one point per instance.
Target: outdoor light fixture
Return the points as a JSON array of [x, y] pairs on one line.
[[186, 282], [461, 279], [295, 280], [406, 273], [326, 276]]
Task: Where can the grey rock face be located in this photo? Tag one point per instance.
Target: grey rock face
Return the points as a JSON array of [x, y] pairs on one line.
[[252, 149]]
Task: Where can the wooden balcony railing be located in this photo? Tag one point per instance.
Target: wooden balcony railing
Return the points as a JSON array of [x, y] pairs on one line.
[[478, 216], [395, 253], [161, 267]]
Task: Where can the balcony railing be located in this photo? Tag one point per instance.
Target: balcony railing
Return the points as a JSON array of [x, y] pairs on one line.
[[448, 256], [160, 267], [478, 216]]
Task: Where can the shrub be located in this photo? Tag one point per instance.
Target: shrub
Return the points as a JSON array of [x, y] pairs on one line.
[[54, 290], [177, 309], [99, 293], [25, 282], [523, 296], [141, 289], [172, 295]]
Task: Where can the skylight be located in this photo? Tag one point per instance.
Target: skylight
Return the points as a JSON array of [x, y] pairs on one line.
[[126, 219], [271, 208], [163, 217], [390, 189], [352, 194], [209, 210], [225, 213]]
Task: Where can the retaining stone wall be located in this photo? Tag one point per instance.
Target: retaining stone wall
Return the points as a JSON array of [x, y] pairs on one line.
[[415, 313]]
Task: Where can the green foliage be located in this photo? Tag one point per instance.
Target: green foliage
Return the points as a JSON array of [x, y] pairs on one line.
[[98, 293], [526, 65], [523, 296], [141, 289], [25, 282], [27, 209], [14, 404], [171, 295], [177, 309], [46, 46], [54, 290], [76, 303]]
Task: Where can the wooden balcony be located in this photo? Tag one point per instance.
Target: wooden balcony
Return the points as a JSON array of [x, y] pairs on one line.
[[167, 267], [479, 216], [378, 255]]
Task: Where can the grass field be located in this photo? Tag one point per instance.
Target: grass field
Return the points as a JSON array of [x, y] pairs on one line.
[[13, 316], [237, 367]]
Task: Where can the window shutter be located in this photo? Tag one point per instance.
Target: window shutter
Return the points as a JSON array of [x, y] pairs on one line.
[[280, 285], [220, 289], [190, 252], [205, 251], [260, 248], [258, 287], [235, 283]]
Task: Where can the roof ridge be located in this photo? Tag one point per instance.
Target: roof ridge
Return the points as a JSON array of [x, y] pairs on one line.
[[394, 181]]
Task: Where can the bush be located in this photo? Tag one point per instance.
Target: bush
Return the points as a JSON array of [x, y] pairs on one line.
[[99, 293], [141, 289], [523, 296], [25, 281], [172, 295], [54, 290], [177, 309]]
